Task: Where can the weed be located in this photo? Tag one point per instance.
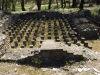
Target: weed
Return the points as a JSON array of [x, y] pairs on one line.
[[67, 63], [36, 62], [70, 62], [82, 62], [85, 59]]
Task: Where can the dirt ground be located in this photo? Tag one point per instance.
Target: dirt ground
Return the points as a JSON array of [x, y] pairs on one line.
[[95, 45]]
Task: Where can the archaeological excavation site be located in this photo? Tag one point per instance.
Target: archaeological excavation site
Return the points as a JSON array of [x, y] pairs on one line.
[[49, 35]]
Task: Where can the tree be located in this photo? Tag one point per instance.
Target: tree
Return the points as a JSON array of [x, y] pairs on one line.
[[81, 5], [2, 4], [13, 5], [49, 7], [97, 2], [64, 3], [22, 5], [74, 4], [6, 4], [61, 3], [69, 3], [38, 4], [57, 3]]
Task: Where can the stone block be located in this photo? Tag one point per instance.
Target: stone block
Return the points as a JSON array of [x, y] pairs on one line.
[[34, 38], [33, 42], [86, 43], [69, 43], [12, 46], [9, 27], [49, 29], [78, 43], [21, 35], [75, 29], [16, 32], [12, 30], [72, 36], [49, 36], [56, 37], [43, 29], [75, 40], [35, 34], [22, 46], [11, 38], [55, 27], [29, 31], [55, 30], [32, 26], [41, 42], [16, 43], [3, 32], [14, 27], [36, 31], [67, 40], [31, 46], [22, 32], [27, 34], [82, 39], [14, 35], [57, 40], [18, 29], [63, 33], [90, 47], [56, 33], [26, 38], [26, 26], [18, 38], [42, 37], [63, 30], [24, 29], [24, 42], [49, 33], [65, 36]]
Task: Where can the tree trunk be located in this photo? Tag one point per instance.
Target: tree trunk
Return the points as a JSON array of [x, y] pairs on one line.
[[2, 4], [39, 4], [97, 2], [64, 4], [22, 5], [49, 5], [61, 3], [13, 5], [81, 5], [69, 3], [6, 5], [74, 4], [57, 3]]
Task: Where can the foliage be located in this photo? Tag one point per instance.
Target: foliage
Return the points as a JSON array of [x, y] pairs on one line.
[[70, 62], [36, 62], [83, 61]]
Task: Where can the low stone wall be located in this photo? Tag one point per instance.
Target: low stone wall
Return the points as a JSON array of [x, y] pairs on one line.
[[56, 54], [85, 28], [4, 44]]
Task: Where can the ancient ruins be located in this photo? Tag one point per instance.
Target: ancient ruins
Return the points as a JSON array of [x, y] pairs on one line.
[[49, 36]]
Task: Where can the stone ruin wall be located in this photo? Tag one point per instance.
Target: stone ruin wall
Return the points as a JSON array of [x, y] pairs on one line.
[[4, 44], [85, 27], [56, 54]]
